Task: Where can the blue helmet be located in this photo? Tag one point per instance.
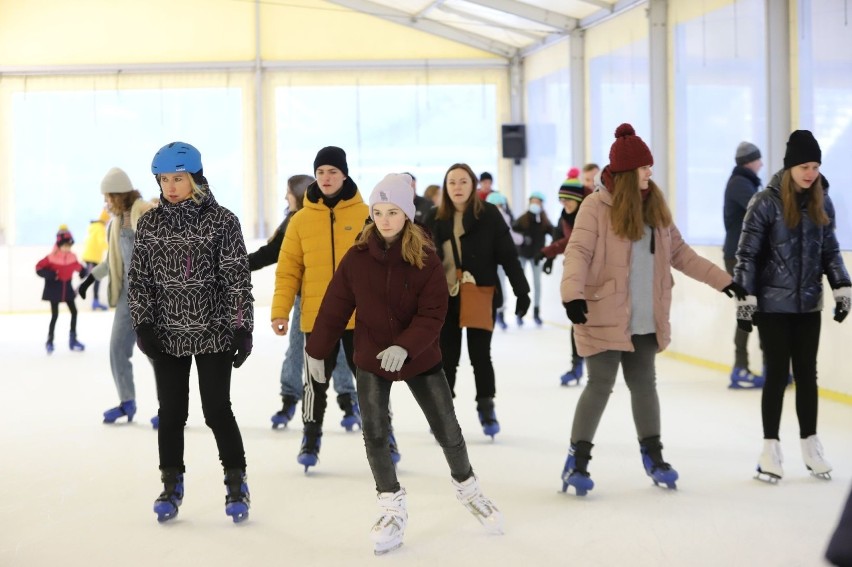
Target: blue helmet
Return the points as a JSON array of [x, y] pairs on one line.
[[177, 156]]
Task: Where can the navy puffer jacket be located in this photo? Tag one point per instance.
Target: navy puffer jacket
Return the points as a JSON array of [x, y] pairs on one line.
[[784, 266]]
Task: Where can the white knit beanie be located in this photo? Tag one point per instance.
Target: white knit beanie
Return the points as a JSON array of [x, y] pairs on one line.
[[395, 188], [116, 181]]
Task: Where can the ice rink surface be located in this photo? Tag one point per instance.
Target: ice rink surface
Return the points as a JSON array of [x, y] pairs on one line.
[[77, 492]]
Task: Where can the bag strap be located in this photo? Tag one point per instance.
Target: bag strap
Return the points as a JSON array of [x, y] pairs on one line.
[[455, 251]]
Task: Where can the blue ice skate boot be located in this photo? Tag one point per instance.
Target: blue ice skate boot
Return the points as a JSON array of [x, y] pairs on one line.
[[744, 379], [394, 450], [652, 458], [574, 375], [487, 417], [98, 306], [155, 422], [501, 321], [283, 417], [48, 346], [74, 344], [576, 473], [127, 409], [237, 498], [351, 411], [311, 441], [166, 506]]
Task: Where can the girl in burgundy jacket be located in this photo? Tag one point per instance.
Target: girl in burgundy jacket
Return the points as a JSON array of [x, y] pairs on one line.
[[396, 281], [57, 269]]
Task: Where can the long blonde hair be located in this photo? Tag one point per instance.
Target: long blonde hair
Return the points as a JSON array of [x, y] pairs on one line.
[[414, 242], [630, 213], [816, 202]]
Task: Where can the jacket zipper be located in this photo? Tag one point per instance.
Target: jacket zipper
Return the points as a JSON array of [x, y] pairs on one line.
[[333, 257]]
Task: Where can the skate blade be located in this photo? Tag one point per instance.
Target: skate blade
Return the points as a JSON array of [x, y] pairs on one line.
[[766, 477], [381, 550], [822, 476]]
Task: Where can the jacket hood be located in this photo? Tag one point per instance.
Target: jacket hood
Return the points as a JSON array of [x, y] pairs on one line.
[[314, 197]]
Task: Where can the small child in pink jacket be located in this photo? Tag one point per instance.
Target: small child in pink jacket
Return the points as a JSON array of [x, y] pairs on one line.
[[57, 269]]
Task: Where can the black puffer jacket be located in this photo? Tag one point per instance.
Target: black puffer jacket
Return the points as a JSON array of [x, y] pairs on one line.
[[190, 277], [783, 267], [485, 244]]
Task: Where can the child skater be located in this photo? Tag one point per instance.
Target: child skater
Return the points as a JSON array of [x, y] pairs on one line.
[[94, 250], [571, 194], [57, 269], [396, 281]]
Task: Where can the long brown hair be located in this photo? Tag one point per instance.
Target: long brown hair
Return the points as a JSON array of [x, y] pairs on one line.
[[790, 202], [296, 186], [447, 209], [414, 242], [120, 203], [630, 213]]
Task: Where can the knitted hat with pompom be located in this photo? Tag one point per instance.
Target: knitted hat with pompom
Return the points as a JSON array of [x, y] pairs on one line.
[[628, 152]]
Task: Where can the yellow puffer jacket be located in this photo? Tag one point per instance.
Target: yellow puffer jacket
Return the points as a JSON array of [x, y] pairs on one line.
[[96, 243], [315, 242]]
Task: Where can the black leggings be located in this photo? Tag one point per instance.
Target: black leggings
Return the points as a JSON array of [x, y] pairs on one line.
[[786, 337], [214, 385], [433, 397], [54, 314], [478, 349]]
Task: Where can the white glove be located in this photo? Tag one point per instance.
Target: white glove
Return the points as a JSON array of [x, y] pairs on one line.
[[392, 358], [316, 368]]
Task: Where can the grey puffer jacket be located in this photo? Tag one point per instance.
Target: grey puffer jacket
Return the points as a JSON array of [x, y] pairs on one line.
[[190, 278], [783, 266]]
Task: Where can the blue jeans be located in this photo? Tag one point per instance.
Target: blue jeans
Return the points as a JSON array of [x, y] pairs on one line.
[[121, 343], [293, 367]]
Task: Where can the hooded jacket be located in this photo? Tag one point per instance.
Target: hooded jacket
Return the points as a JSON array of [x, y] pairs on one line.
[[315, 242], [783, 266], [397, 304], [57, 269], [597, 269], [189, 276]]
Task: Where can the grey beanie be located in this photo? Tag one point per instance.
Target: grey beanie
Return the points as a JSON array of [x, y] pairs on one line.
[[116, 181], [746, 153]]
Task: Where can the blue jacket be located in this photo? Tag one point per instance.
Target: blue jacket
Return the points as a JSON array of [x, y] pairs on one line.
[[784, 266], [742, 186]]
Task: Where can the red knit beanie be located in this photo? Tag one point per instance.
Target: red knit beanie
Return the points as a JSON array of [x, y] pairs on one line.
[[628, 152]]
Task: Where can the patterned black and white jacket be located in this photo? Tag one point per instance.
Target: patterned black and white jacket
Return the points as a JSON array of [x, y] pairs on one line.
[[190, 278]]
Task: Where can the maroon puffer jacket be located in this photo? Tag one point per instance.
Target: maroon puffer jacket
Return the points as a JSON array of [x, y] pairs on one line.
[[398, 304]]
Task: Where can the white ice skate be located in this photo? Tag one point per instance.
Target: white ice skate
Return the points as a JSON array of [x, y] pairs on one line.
[[470, 495], [769, 467], [389, 529], [814, 459]]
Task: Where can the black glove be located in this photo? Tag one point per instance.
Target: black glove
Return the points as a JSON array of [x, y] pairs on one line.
[[148, 342], [90, 279], [548, 266], [241, 346], [735, 289], [576, 310], [843, 303], [522, 305]]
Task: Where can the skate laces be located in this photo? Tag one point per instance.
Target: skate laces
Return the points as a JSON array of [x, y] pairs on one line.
[[472, 498]]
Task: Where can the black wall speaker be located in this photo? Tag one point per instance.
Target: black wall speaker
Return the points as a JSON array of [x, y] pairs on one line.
[[514, 141]]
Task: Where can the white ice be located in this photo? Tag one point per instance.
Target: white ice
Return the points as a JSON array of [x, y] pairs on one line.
[[74, 491]]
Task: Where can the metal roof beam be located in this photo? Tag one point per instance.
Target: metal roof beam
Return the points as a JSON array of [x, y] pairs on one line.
[[428, 26], [599, 3], [554, 20], [428, 8]]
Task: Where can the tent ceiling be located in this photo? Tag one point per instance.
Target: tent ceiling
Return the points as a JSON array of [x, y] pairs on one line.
[[502, 27]]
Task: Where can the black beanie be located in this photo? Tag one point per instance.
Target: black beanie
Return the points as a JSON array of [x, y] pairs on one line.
[[802, 147], [333, 156]]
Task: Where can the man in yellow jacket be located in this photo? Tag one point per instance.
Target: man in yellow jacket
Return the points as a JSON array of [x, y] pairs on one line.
[[316, 239]]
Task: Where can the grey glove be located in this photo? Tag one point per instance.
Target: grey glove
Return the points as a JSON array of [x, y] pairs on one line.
[[392, 358], [316, 368]]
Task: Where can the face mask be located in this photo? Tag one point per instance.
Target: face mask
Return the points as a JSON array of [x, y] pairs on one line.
[[535, 209]]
